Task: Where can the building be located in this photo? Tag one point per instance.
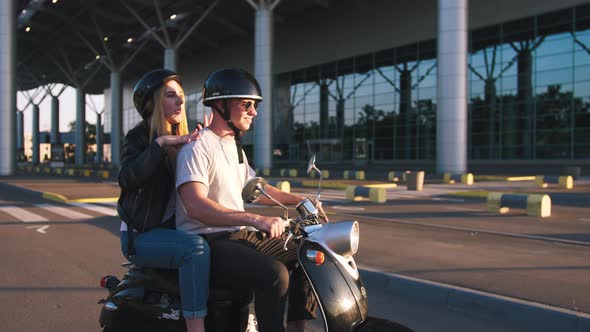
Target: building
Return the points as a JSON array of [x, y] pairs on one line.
[[355, 82]]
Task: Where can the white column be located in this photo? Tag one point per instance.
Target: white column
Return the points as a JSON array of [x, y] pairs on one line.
[[116, 118], [80, 135], [263, 72], [99, 138], [20, 132], [7, 87], [170, 59], [54, 120], [451, 118], [35, 134]]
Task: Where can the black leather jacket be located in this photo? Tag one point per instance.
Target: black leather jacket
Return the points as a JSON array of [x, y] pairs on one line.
[[146, 181]]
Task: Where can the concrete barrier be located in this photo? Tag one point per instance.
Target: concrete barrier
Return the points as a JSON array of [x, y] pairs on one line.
[[289, 172], [281, 185], [538, 205], [104, 174], [564, 182], [353, 175], [454, 178], [395, 176], [375, 195], [415, 180], [573, 171]]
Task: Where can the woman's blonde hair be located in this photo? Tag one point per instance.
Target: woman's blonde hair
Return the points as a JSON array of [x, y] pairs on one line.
[[159, 126]]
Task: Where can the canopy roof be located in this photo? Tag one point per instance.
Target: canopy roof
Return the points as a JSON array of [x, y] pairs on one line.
[[79, 42]]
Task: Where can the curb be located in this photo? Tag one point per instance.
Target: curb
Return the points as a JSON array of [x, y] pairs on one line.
[[57, 197], [515, 313]]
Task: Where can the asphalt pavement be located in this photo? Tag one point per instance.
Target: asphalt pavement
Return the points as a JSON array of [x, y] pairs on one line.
[[441, 251]]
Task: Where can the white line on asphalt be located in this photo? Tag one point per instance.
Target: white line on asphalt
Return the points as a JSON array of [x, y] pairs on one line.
[[96, 208], [347, 208], [68, 213], [463, 209], [459, 200], [22, 214], [40, 229], [584, 219]]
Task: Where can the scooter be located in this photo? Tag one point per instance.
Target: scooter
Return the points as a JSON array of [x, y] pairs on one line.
[[148, 299]]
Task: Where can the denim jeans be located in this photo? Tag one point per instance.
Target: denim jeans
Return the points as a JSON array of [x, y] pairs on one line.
[[175, 249]]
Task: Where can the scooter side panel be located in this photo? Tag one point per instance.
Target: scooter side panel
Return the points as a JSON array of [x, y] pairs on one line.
[[341, 297]]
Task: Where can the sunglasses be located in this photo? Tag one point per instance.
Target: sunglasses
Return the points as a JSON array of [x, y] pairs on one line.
[[248, 104]]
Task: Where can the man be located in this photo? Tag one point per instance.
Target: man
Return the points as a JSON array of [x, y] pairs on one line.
[[211, 173]]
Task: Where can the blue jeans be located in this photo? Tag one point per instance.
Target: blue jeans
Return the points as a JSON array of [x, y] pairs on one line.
[[174, 249]]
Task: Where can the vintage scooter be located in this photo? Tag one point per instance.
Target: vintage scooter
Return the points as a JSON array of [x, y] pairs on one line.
[[325, 253], [148, 299]]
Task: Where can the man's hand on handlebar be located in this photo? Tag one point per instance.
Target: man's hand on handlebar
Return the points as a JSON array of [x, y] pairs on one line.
[[274, 226]]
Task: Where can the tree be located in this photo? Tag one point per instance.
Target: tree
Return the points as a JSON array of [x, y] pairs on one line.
[[90, 140]]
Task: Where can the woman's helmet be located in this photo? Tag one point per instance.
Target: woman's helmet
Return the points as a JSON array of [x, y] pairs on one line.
[[229, 83], [147, 85]]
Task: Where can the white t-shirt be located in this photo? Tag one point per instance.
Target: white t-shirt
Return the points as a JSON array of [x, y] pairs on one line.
[[212, 161]]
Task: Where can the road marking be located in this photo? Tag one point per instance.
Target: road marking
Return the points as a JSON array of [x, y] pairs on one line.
[[448, 199], [22, 214], [68, 213], [462, 209], [96, 208], [347, 208], [40, 229], [584, 219]]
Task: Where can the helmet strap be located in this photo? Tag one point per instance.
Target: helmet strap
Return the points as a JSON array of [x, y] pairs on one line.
[[237, 132]]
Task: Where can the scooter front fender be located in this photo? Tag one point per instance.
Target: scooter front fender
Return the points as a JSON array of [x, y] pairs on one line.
[[342, 298]]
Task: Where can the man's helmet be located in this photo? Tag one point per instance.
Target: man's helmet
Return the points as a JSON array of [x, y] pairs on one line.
[[229, 83], [147, 85]]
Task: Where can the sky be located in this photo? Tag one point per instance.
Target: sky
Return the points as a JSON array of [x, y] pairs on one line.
[[67, 108]]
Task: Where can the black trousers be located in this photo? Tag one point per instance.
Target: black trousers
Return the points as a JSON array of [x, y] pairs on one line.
[[249, 260]]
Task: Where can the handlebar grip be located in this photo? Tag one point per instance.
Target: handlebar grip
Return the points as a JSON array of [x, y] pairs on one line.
[[286, 223]]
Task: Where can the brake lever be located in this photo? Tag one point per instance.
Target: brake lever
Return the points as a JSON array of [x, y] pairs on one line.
[[287, 241]]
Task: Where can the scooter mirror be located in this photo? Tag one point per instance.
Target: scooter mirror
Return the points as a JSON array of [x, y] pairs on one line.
[[311, 164], [251, 192]]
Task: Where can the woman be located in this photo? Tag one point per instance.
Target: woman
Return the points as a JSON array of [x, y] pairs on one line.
[[147, 200]]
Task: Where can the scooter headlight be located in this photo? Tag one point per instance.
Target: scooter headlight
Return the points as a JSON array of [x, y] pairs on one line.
[[341, 237]]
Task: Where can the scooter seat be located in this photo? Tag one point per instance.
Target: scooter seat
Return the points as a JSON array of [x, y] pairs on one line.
[[166, 280]]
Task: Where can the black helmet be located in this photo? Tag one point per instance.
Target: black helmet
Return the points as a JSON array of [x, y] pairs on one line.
[[145, 87], [228, 83]]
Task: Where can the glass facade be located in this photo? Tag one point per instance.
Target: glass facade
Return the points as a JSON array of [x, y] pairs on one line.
[[528, 97]]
